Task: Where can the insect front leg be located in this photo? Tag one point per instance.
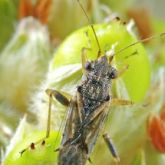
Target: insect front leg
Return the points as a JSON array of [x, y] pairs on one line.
[[111, 147], [122, 71]]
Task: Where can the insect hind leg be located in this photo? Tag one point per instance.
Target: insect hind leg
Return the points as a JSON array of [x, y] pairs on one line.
[[63, 100], [111, 147]]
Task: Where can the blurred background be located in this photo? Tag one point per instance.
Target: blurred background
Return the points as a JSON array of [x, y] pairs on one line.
[[32, 30]]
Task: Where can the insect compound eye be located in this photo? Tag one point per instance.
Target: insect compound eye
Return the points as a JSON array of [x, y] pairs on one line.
[[79, 89], [107, 98], [113, 73], [88, 65]]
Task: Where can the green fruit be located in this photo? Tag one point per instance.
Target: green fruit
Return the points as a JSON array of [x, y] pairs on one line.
[[42, 154]]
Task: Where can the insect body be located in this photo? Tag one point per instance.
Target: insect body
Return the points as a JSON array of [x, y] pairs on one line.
[[87, 112]]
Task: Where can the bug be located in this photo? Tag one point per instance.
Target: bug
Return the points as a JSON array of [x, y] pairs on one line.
[[87, 109]]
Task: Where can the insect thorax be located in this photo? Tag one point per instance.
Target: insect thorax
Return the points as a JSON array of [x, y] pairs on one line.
[[95, 87]]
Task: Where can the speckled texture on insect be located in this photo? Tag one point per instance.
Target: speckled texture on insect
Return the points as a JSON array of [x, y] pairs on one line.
[[87, 112]]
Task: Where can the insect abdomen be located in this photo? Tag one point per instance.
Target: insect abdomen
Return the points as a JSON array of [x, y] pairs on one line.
[[72, 155]]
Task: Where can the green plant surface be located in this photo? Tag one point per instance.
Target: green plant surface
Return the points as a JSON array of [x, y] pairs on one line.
[[20, 150], [42, 154]]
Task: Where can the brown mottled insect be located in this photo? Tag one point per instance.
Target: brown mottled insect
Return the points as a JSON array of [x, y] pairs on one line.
[[87, 110]]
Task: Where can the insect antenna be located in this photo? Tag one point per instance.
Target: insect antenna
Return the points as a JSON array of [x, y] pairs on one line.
[[92, 27], [135, 43]]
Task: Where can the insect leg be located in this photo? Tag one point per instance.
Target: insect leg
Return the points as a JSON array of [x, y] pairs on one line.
[[58, 96], [63, 100], [125, 68], [121, 102], [122, 71], [111, 147]]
